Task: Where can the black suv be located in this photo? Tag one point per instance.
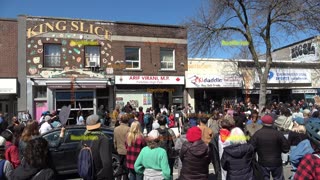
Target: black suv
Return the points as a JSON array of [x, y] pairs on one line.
[[65, 156]]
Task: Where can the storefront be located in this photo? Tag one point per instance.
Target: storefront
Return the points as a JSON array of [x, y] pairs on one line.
[[149, 91], [85, 95], [8, 96], [218, 88], [289, 84]]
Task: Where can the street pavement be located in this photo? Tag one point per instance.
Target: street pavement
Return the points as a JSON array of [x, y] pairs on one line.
[[286, 169]]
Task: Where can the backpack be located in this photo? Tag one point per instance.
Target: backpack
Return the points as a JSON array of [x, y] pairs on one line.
[[2, 162], [86, 168], [166, 142], [148, 120]]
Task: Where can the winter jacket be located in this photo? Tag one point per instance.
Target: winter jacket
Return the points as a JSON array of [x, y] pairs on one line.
[[195, 159], [12, 154], [120, 134], [236, 160], [27, 172], [269, 144], [102, 155]]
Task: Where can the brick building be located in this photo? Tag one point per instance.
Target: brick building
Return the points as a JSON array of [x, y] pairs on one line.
[[8, 65], [90, 63]]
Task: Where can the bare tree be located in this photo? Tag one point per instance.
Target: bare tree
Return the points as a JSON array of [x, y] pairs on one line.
[[258, 22]]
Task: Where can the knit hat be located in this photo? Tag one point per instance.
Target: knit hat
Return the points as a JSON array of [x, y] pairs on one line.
[[194, 134], [299, 120], [154, 134], [266, 119], [93, 122], [47, 118], [2, 142]]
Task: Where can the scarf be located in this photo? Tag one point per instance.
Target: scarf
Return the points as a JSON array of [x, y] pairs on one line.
[[224, 134]]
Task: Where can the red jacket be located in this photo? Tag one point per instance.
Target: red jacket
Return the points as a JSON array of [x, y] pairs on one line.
[[12, 154]]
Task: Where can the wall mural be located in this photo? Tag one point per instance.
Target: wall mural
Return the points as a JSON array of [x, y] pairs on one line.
[[72, 61]]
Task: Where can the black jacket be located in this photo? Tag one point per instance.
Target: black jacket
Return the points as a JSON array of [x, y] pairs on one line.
[[236, 160], [102, 156], [195, 161], [215, 159], [269, 144], [27, 172]]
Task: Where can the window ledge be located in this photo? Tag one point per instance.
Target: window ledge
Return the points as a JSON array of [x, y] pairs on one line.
[[132, 70], [51, 69], [167, 70]]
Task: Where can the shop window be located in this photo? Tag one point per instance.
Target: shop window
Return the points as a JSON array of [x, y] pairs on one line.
[[167, 59], [92, 56], [132, 58], [52, 55], [40, 92]]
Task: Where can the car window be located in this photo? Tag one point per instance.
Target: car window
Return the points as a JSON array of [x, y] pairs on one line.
[[74, 135], [53, 137]]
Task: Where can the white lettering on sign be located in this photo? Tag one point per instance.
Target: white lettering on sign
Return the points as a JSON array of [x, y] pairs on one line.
[[149, 80]]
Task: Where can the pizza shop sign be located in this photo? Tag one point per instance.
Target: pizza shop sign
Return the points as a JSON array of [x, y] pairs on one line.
[[73, 26], [149, 80]]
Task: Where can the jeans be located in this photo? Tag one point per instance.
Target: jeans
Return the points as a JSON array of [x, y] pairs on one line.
[[277, 172], [135, 176], [123, 171]]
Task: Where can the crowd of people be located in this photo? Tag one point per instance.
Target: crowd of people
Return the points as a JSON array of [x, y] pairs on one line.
[[240, 142]]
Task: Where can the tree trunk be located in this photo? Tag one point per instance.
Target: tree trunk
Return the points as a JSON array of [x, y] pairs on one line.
[[263, 91]]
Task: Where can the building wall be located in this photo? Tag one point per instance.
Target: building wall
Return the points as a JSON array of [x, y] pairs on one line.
[[8, 47]]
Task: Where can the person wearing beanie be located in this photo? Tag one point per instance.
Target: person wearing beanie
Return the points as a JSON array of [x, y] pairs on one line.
[[237, 157], [152, 161], [269, 144], [194, 155]]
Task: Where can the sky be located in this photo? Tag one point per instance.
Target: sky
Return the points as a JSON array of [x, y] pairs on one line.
[[171, 12]]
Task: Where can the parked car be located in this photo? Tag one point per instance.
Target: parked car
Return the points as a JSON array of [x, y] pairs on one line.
[[65, 157]]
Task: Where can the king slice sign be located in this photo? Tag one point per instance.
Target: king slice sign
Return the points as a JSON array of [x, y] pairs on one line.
[[149, 80]]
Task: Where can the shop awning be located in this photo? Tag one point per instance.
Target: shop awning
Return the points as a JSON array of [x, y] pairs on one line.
[[76, 84]]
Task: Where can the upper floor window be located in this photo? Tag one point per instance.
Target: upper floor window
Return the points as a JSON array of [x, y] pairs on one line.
[[52, 55], [92, 56], [167, 59], [132, 58]]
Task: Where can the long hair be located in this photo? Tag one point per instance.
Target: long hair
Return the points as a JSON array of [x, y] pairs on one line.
[[134, 133], [32, 129], [36, 153], [299, 128]]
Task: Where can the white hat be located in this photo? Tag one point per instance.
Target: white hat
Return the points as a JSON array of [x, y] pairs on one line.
[[154, 134], [2, 141]]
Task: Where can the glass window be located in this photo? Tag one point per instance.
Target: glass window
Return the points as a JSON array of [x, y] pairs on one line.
[[52, 137], [167, 58], [74, 135], [132, 58], [52, 55], [41, 92], [92, 56]]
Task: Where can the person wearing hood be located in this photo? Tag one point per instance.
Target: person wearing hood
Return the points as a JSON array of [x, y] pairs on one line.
[[237, 157], [194, 155]]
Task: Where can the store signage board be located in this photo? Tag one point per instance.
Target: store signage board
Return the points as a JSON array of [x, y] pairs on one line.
[[149, 80], [304, 91], [254, 91], [287, 76], [208, 81], [8, 86]]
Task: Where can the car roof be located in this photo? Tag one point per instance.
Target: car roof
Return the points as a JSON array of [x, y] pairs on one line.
[[77, 127]]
